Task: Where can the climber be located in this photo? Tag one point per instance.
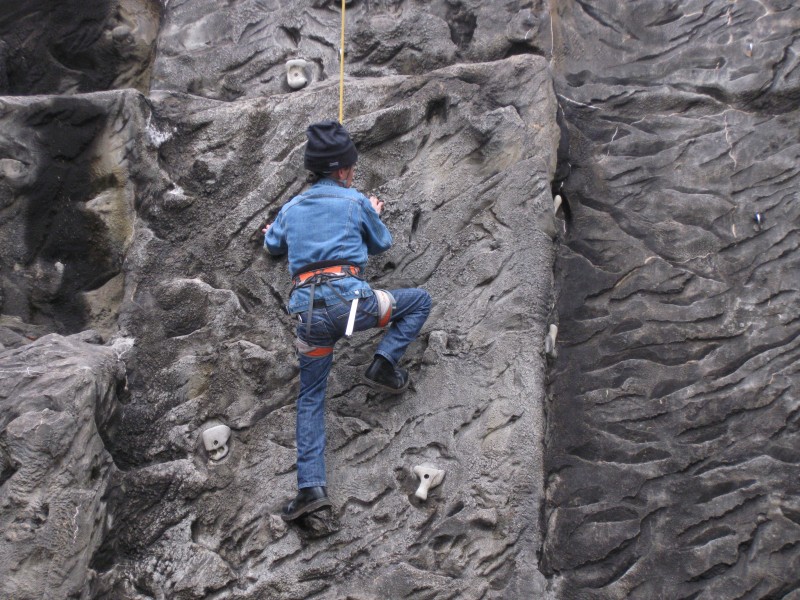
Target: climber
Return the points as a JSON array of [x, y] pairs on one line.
[[328, 231]]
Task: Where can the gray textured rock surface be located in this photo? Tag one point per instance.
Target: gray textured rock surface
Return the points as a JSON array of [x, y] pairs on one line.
[[464, 164], [668, 467], [55, 396], [240, 52], [673, 444], [211, 342]]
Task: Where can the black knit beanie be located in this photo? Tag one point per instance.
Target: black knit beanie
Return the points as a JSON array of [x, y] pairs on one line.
[[329, 147]]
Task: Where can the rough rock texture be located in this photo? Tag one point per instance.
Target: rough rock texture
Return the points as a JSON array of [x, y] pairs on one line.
[[74, 46], [472, 226], [673, 442], [241, 51], [55, 396], [656, 457], [67, 195], [464, 162]]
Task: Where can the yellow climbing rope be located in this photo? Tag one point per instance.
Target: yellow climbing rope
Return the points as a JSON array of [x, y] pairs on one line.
[[341, 71]]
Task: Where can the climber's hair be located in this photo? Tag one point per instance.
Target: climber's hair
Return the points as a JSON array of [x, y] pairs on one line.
[[313, 177]]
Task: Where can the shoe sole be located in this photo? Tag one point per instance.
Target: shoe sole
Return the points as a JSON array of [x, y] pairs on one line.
[[308, 508], [385, 388]]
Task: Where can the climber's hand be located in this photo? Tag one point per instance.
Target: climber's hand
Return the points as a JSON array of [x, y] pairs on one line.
[[376, 204]]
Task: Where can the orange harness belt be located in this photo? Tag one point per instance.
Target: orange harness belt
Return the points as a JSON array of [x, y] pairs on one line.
[[312, 278], [344, 270]]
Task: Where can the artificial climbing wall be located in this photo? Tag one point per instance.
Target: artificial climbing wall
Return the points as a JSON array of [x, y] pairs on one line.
[[651, 455], [672, 445], [458, 137]]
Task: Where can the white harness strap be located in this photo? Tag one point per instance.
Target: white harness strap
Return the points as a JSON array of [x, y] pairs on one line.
[[351, 320]]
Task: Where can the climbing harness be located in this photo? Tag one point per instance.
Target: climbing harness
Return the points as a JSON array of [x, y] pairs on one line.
[[312, 351], [326, 271], [323, 273], [341, 70], [351, 319], [320, 274]]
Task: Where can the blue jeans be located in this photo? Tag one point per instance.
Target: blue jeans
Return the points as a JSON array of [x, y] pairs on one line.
[[327, 326]]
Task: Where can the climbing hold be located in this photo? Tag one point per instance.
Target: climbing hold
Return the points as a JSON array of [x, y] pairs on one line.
[[437, 347], [438, 340], [550, 341], [296, 73], [556, 203], [429, 477], [215, 439]]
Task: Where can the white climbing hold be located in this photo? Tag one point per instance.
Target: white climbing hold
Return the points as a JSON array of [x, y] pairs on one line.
[[215, 439], [556, 203], [429, 477], [296, 73], [550, 341]]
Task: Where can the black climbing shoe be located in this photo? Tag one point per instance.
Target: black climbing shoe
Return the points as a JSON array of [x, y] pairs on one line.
[[307, 501], [381, 375]]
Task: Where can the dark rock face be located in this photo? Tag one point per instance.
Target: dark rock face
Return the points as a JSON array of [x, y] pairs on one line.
[[70, 46], [673, 421], [68, 205], [668, 467]]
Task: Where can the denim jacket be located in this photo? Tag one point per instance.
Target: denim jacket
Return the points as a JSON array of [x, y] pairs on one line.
[[328, 222]]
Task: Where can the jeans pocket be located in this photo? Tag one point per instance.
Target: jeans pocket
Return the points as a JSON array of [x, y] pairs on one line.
[[320, 333], [338, 312]]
